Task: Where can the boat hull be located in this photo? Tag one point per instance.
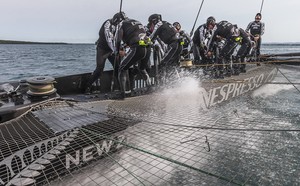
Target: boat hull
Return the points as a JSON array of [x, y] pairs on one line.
[[69, 133]]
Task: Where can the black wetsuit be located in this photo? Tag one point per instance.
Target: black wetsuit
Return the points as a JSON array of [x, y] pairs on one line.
[[185, 42], [167, 33], [256, 29], [199, 44], [245, 44], [104, 50], [244, 49], [131, 32], [223, 29], [228, 31]]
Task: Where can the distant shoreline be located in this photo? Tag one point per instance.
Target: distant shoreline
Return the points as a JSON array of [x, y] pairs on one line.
[[30, 42], [62, 43]]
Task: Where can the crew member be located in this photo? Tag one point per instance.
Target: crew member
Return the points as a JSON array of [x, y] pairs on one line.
[[185, 40], [133, 34], [230, 32], [257, 29], [244, 40], [104, 50], [200, 40], [168, 35]]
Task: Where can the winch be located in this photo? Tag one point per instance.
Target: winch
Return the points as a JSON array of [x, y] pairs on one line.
[[41, 86]]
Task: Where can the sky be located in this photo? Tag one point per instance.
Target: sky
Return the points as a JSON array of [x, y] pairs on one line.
[[78, 21]]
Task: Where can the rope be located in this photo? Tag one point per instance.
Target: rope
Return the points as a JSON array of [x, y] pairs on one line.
[[31, 108], [156, 155], [224, 129], [104, 136], [196, 18], [261, 7], [282, 83], [167, 159], [209, 128], [288, 80], [121, 3], [250, 63], [204, 128]]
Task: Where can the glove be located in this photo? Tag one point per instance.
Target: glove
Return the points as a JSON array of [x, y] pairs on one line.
[[202, 45]]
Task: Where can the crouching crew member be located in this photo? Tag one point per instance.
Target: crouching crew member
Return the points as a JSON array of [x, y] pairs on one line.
[[244, 40], [185, 40], [200, 40], [167, 33], [133, 34], [230, 32]]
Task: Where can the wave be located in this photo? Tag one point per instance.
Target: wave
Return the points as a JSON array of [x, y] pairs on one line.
[[281, 44]]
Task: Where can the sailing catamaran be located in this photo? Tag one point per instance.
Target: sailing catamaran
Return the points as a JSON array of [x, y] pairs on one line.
[[52, 129], [194, 131]]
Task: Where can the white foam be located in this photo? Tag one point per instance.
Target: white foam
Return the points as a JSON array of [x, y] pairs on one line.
[[270, 90]]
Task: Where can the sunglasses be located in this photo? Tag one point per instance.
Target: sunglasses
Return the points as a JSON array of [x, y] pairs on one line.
[[257, 18]]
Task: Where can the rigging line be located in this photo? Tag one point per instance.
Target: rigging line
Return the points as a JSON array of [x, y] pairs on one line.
[[206, 128], [113, 77], [282, 83], [121, 3], [31, 108], [288, 80], [116, 56], [283, 61], [261, 7], [242, 81], [170, 159], [196, 18], [250, 63], [97, 134], [224, 129]]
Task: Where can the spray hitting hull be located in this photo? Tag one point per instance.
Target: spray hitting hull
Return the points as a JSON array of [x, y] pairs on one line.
[[47, 140]]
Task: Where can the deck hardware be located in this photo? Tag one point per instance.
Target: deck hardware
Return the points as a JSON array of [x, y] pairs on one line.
[[235, 112], [208, 146]]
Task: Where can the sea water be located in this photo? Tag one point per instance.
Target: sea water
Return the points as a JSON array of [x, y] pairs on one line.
[[20, 61]]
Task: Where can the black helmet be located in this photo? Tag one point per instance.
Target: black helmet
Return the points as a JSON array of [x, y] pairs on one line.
[[118, 17], [177, 25], [235, 31], [154, 18], [258, 16], [210, 21]]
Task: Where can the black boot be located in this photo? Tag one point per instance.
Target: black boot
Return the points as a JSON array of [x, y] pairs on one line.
[[236, 71], [219, 74], [122, 80], [243, 68], [236, 66], [119, 95], [88, 88], [228, 71]]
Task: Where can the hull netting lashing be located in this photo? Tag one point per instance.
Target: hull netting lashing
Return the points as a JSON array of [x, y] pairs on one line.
[[178, 142]]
